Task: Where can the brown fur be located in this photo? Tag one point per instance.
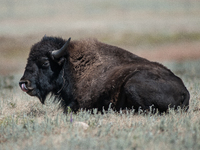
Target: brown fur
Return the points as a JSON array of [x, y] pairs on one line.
[[99, 74]]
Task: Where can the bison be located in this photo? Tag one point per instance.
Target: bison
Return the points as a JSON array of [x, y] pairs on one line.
[[89, 74]]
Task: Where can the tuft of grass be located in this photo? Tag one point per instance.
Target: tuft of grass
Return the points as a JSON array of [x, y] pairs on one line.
[[7, 82]]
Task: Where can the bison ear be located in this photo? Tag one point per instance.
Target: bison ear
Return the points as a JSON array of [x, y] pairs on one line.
[[56, 55]]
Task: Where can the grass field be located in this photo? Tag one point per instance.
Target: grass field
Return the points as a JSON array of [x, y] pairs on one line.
[[27, 124], [160, 30]]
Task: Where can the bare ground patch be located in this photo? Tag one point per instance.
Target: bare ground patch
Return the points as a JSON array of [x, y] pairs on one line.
[[172, 52], [14, 52]]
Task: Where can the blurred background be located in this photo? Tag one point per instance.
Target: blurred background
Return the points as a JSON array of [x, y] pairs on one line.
[[159, 30]]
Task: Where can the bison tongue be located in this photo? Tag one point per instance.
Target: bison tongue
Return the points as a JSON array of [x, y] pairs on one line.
[[24, 88]]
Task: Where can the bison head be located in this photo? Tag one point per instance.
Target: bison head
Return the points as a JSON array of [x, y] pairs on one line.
[[44, 69]]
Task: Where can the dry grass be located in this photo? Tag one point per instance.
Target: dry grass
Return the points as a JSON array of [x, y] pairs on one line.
[[27, 124]]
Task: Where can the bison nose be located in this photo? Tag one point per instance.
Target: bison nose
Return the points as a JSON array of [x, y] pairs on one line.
[[25, 85]]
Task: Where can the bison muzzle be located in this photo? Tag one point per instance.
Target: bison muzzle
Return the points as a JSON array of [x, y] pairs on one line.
[[89, 74]]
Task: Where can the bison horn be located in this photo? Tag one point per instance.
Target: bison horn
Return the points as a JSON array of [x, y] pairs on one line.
[[56, 54]]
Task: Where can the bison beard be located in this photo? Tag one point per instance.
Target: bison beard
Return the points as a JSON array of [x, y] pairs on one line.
[[89, 74]]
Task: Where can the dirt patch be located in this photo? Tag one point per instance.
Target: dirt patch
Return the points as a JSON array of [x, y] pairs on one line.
[[14, 52], [173, 52]]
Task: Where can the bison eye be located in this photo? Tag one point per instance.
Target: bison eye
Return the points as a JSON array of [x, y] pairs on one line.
[[45, 64]]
